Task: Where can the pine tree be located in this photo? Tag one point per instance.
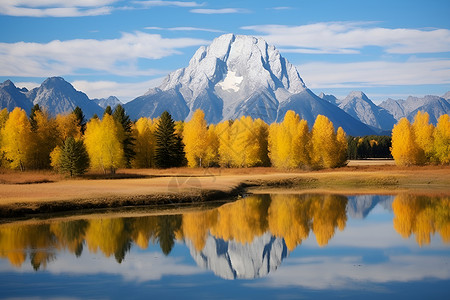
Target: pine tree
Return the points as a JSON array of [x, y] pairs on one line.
[[128, 142], [108, 111], [169, 146], [34, 109], [74, 158], [81, 120]]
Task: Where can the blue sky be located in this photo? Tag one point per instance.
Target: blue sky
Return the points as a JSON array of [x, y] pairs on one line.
[[123, 48]]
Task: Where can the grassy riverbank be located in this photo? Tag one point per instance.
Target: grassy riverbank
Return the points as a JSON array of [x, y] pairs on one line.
[[45, 192]]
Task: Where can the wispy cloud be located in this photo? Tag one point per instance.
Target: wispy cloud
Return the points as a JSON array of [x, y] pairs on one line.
[[169, 3], [79, 8], [114, 56], [375, 73], [351, 37], [212, 11], [281, 8], [184, 29], [56, 8]]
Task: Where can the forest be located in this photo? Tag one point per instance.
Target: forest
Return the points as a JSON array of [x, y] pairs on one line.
[[70, 144]]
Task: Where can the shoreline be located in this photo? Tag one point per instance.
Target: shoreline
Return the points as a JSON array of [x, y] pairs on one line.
[[159, 188]]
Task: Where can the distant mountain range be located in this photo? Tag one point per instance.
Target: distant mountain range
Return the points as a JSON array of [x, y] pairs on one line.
[[236, 75]]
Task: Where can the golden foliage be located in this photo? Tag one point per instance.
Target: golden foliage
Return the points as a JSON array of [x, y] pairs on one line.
[[67, 126], [145, 144], [405, 150], [103, 143], [422, 216], [325, 147], [442, 140], [195, 139], [289, 142], [16, 136]]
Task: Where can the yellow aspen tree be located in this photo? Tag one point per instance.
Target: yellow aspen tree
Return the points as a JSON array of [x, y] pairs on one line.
[[223, 133], [281, 141], [248, 143], [4, 115], [103, 144], [145, 143], [423, 132], [212, 147], [404, 148], [195, 139], [442, 140], [289, 142], [55, 158], [16, 136], [342, 144], [44, 140], [67, 126], [324, 143]]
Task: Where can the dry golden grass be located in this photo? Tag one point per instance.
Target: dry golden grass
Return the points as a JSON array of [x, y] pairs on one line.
[[150, 185]]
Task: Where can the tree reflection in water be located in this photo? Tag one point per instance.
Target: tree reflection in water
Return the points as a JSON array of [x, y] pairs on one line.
[[290, 217]]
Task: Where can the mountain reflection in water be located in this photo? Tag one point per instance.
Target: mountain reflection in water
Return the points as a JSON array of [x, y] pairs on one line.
[[244, 239]]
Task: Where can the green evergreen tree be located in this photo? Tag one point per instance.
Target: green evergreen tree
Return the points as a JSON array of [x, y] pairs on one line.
[[74, 158], [108, 110], [128, 142], [32, 116], [81, 120], [169, 147]]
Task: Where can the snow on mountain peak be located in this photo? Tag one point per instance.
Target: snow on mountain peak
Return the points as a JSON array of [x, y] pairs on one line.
[[229, 58]]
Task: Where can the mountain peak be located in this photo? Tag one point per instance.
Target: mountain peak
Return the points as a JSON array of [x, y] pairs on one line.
[[357, 94], [248, 59]]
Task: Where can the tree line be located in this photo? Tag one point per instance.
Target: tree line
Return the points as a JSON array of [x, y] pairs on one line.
[[421, 143], [70, 144]]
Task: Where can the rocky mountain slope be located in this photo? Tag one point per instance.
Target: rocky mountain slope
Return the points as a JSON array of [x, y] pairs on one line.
[[239, 75]]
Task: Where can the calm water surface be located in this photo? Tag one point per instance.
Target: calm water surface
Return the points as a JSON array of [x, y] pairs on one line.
[[284, 246]]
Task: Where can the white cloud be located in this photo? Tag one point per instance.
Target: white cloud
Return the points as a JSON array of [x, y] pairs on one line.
[[168, 3], [282, 8], [323, 272], [375, 73], [115, 56], [124, 91], [184, 29], [350, 37], [55, 8], [137, 267], [211, 11]]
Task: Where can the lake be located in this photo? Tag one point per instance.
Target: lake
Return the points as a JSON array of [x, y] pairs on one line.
[[263, 246]]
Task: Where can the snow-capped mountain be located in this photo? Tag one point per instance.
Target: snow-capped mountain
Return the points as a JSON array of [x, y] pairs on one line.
[[233, 260], [11, 97], [435, 106], [358, 105], [359, 207], [59, 97], [111, 101], [239, 75]]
